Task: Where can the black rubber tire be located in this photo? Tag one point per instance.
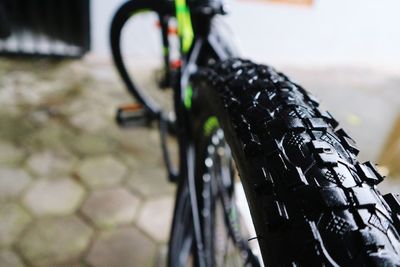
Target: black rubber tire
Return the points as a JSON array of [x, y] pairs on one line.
[[181, 228], [312, 202], [121, 17]]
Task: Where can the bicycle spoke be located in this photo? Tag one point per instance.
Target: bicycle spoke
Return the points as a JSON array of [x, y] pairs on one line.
[[219, 167]]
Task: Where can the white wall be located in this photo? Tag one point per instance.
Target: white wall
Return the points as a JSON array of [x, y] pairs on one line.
[[355, 32], [332, 32], [101, 15]]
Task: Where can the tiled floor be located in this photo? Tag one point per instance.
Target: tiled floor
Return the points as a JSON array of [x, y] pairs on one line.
[[77, 191], [74, 189]]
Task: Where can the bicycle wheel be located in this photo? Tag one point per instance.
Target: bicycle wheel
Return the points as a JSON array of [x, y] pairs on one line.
[[311, 201], [224, 226], [138, 51], [224, 232], [180, 247]]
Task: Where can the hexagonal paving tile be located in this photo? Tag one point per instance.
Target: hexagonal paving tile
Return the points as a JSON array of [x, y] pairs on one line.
[[51, 163], [155, 218], [150, 182], [9, 259], [93, 144], [12, 182], [91, 120], [73, 264], [54, 196], [13, 220], [142, 147], [102, 171], [9, 154], [142, 140], [52, 135], [124, 247], [110, 207], [89, 112], [55, 241], [14, 133], [162, 256]]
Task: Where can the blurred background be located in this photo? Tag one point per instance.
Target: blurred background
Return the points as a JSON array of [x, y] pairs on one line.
[[75, 190]]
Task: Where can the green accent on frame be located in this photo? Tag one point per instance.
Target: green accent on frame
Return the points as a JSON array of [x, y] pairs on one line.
[[140, 11], [185, 28], [165, 50], [188, 97], [210, 125]]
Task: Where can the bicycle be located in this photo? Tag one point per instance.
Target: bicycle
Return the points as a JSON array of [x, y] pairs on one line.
[[311, 202]]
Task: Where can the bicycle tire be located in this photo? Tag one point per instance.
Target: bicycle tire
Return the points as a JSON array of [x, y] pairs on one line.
[[181, 233], [208, 199], [312, 202], [121, 17]]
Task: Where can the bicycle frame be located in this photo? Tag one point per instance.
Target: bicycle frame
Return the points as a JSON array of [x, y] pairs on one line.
[[187, 152], [199, 43], [206, 43]]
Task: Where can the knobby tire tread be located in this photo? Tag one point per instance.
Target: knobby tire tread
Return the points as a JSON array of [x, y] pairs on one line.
[[317, 205]]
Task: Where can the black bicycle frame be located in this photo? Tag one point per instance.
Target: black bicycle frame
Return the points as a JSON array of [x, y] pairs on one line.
[[207, 44]]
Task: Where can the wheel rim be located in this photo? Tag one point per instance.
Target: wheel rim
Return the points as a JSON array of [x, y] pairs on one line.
[[143, 58], [226, 232]]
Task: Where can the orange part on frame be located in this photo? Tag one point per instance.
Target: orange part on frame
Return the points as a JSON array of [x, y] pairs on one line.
[[172, 30], [132, 107], [176, 64]]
